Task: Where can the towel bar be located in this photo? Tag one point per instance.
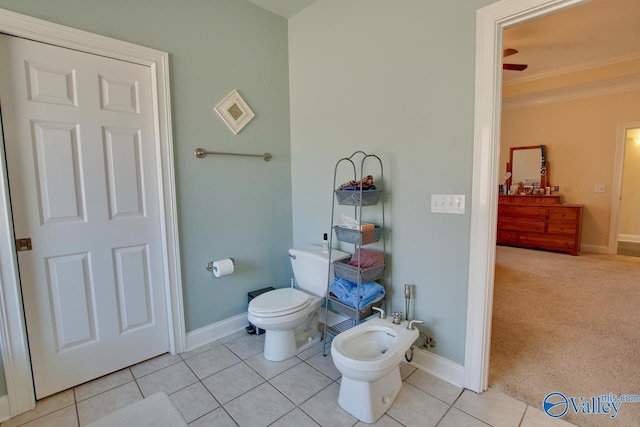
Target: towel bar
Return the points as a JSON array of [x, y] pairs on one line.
[[201, 153]]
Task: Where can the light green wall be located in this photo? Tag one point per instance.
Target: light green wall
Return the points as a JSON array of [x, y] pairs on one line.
[[3, 380], [228, 207], [395, 79]]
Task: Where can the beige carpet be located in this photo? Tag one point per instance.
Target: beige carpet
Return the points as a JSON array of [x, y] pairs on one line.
[[567, 324]]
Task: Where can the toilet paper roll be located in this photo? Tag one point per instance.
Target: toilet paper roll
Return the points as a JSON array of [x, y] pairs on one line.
[[223, 267]]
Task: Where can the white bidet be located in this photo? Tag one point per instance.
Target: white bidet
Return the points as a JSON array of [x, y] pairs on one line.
[[368, 357]]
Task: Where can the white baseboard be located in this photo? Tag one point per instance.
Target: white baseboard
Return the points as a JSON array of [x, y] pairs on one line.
[[215, 331], [438, 366], [629, 238], [5, 412], [431, 363], [596, 249]]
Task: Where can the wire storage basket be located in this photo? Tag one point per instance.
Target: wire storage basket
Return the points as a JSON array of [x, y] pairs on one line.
[[355, 274], [356, 193], [352, 197], [358, 237], [350, 311]]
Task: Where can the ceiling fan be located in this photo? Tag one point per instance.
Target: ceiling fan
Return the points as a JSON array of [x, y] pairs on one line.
[[513, 67]]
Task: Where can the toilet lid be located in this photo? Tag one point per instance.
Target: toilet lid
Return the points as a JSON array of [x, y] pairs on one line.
[[279, 302]]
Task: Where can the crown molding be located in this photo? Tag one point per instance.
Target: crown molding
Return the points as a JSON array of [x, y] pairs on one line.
[[515, 103], [572, 69]]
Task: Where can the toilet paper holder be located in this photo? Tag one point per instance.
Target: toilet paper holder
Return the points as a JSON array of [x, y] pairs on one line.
[[210, 264]]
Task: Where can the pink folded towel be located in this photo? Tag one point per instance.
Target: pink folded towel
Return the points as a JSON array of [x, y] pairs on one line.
[[368, 258]]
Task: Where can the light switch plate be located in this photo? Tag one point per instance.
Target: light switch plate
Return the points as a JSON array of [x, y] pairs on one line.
[[448, 203], [599, 188]]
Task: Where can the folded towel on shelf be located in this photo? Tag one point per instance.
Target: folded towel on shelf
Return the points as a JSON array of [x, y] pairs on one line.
[[366, 258], [359, 297], [366, 183]]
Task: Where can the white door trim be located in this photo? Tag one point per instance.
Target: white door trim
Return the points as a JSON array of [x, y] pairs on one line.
[[616, 194], [12, 332], [490, 21]]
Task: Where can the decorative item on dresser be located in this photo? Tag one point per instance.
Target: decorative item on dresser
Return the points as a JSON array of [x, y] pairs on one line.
[[539, 222]]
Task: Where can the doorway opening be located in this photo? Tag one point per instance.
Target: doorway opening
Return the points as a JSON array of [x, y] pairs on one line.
[[491, 21], [624, 238]]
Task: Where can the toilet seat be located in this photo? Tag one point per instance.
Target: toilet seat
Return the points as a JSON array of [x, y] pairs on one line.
[[279, 302]]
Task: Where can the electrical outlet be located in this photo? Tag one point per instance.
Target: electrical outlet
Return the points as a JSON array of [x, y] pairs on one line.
[[448, 203], [599, 188]]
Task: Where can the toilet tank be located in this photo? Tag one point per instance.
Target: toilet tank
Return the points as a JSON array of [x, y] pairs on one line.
[[310, 267]]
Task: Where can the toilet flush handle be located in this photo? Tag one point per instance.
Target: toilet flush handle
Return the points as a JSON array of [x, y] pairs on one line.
[[382, 314]]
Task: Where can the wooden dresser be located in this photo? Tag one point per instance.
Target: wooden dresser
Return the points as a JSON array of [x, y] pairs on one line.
[[539, 222]]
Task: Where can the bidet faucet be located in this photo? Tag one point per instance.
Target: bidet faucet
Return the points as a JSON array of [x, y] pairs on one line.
[[397, 318], [382, 314], [413, 322]]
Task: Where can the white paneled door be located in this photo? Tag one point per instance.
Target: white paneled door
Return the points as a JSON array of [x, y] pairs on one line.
[[83, 164]]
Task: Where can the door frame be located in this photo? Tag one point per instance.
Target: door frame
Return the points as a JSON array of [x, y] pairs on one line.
[[616, 193], [490, 22], [13, 333]]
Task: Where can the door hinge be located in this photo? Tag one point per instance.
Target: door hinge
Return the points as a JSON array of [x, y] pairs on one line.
[[23, 244]]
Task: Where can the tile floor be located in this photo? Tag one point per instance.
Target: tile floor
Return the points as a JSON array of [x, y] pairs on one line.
[[229, 383]]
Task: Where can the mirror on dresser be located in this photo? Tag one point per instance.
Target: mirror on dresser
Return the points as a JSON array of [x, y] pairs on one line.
[[528, 164]]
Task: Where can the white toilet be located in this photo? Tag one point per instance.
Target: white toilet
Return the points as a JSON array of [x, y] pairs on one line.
[[368, 357], [290, 316]]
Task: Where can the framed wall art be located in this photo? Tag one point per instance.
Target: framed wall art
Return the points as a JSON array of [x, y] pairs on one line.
[[234, 112]]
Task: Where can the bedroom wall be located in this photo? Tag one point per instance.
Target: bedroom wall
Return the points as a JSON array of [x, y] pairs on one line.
[[580, 136], [395, 79]]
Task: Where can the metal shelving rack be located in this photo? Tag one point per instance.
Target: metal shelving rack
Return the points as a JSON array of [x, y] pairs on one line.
[[358, 199]]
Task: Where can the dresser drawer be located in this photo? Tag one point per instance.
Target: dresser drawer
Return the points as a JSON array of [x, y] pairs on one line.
[[529, 200], [507, 237], [522, 211], [562, 227], [558, 242], [563, 214], [521, 225], [539, 223], [534, 200]]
